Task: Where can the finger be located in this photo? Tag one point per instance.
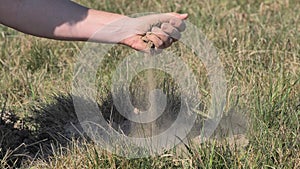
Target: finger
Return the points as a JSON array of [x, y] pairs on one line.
[[178, 24], [150, 49], [170, 30], [161, 34], [180, 16], [147, 22], [176, 20], [138, 43], [168, 16], [166, 39], [158, 43], [168, 43]]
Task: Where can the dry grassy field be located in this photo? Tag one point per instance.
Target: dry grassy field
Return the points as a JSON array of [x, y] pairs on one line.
[[257, 42]]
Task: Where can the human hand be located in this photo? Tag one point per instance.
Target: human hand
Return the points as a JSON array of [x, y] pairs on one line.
[[152, 33]]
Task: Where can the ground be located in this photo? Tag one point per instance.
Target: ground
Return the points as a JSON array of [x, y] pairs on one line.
[[257, 42]]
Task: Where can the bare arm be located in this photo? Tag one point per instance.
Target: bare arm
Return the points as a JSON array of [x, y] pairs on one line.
[[66, 20], [55, 19]]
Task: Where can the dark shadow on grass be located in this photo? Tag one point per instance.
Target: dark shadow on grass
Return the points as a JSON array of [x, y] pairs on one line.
[[51, 126], [56, 125], [35, 137]]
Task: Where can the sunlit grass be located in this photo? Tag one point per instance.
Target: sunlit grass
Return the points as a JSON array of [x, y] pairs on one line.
[[258, 44]]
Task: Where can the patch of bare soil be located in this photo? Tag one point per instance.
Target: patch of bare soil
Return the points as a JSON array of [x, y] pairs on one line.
[[56, 125]]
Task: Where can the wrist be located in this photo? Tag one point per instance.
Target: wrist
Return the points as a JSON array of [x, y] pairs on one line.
[[98, 26]]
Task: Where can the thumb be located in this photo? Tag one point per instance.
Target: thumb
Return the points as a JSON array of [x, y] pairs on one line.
[[165, 17], [180, 16]]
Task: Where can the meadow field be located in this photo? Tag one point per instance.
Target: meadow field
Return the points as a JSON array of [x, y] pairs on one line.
[[258, 43]]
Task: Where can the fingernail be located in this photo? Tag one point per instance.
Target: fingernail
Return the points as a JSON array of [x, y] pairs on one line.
[[184, 15]]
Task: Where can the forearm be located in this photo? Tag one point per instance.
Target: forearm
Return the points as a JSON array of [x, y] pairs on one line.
[[66, 20], [55, 19]]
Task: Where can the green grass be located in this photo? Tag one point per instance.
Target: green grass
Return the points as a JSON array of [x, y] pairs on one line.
[[258, 44]]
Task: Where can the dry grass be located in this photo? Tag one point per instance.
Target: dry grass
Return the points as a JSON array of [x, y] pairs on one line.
[[258, 44]]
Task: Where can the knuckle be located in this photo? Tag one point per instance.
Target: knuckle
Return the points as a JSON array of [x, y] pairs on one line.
[[164, 27], [175, 22]]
